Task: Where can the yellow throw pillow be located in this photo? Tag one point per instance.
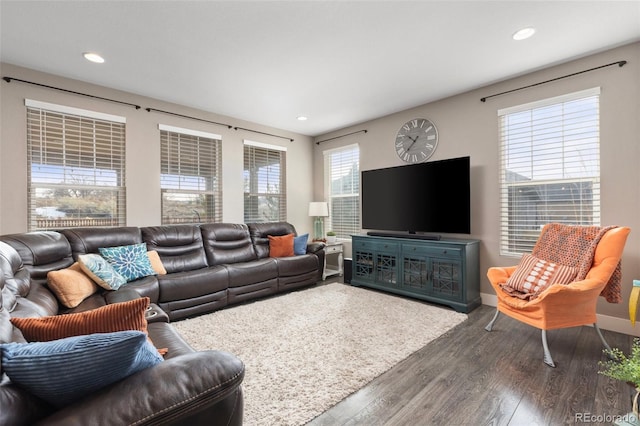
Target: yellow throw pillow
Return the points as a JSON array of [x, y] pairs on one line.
[[71, 286]]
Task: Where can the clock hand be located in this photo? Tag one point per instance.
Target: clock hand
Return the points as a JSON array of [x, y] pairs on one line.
[[413, 141]]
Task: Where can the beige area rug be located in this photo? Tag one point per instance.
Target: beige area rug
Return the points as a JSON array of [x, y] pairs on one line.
[[307, 350]]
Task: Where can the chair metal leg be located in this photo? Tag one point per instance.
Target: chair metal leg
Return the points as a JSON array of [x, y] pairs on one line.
[[489, 326], [604, 342], [547, 355]]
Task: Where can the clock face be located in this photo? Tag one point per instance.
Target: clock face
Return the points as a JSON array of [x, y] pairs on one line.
[[416, 141]]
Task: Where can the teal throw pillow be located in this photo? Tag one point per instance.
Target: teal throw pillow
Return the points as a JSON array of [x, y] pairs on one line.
[[300, 244], [132, 262], [100, 271], [66, 370]]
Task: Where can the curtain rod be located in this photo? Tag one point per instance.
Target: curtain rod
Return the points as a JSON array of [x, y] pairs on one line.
[[342, 136], [619, 63], [228, 126], [263, 133], [10, 79]]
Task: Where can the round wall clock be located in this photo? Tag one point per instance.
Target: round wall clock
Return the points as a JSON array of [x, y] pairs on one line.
[[416, 141]]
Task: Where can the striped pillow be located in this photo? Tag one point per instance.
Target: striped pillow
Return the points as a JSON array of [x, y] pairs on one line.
[[107, 319], [66, 370], [533, 275]]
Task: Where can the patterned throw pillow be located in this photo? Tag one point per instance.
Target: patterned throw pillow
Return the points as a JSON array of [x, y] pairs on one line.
[[132, 262], [66, 370], [107, 319], [281, 246], [71, 286], [534, 275], [101, 271]]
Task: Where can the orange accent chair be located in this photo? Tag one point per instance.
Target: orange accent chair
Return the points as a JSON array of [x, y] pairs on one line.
[[563, 306]]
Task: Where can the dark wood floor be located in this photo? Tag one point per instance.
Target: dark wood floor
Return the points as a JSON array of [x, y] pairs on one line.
[[473, 377]]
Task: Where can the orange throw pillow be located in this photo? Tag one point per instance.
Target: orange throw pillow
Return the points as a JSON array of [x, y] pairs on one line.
[[107, 319], [281, 246], [71, 286]]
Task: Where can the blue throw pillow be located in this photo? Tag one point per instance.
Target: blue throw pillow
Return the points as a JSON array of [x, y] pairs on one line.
[[300, 244], [100, 271], [66, 370], [132, 262]]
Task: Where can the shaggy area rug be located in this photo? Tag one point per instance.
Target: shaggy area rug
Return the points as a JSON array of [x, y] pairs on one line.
[[307, 350]]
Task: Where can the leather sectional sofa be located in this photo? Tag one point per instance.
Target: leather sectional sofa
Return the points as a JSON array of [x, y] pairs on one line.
[[209, 267]]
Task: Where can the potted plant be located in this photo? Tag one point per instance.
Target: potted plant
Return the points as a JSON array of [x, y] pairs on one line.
[[331, 237], [626, 368]]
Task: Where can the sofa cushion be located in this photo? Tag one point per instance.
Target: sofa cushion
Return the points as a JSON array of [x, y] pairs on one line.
[[107, 319], [246, 273], [131, 262], [41, 252], [89, 240], [180, 247], [65, 370], [71, 285], [101, 271], [297, 265], [281, 246], [227, 243], [191, 284]]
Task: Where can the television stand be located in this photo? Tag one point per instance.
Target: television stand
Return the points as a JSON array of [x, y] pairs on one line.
[[441, 271], [410, 235]]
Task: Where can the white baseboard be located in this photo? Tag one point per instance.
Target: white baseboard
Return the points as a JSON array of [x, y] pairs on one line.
[[605, 322]]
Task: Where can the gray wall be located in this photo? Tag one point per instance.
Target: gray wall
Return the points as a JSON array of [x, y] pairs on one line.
[[467, 126]]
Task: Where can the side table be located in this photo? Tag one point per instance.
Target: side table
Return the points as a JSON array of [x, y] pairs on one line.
[[332, 249]]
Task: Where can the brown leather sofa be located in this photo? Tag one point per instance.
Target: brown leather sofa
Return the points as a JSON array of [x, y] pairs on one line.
[[209, 266]]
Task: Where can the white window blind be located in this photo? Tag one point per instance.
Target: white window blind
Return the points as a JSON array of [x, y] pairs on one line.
[[190, 176], [342, 182], [75, 168], [265, 195], [550, 167]]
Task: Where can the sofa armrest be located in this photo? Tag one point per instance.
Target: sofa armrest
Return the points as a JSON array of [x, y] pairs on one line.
[[180, 390], [315, 247]]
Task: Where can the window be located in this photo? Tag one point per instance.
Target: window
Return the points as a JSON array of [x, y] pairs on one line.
[[75, 170], [342, 182], [265, 195], [190, 176], [550, 167]]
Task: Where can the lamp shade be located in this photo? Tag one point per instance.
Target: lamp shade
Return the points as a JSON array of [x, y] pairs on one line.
[[318, 209]]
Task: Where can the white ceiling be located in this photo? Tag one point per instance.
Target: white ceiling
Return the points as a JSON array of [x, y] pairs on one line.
[[339, 63]]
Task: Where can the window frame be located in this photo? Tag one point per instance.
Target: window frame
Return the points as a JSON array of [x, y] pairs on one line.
[[352, 225], [265, 152], [74, 143], [569, 146], [194, 142]]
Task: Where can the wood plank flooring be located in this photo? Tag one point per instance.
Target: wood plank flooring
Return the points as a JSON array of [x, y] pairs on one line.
[[473, 377]]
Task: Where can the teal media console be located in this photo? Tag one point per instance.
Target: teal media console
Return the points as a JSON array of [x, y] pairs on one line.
[[443, 271]]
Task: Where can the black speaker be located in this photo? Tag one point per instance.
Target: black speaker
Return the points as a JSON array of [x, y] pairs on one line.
[[347, 271]]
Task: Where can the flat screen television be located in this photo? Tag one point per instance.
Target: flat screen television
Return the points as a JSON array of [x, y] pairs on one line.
[[432, 197]]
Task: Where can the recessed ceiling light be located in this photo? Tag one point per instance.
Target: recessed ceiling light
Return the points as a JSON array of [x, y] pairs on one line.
[[302, 118], [524, 33], [93, 57]]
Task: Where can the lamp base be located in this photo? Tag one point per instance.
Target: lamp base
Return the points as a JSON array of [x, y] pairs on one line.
[[318, 228]]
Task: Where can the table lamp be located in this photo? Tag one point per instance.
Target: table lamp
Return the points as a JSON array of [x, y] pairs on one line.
[[320, 210]]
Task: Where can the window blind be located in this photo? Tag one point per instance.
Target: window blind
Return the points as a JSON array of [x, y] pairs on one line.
[[342, 181], [190, 176], [550, 167], [76, 169], [265, 198]]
